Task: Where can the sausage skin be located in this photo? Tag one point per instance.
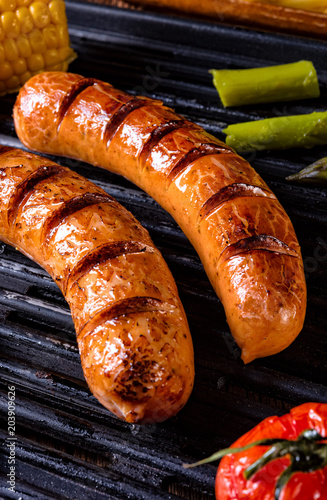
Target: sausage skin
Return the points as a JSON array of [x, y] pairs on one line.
[[134, 341], [242, 234], [254, 14]]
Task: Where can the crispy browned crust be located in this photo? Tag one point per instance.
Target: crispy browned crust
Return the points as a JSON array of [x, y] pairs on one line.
[[242, 234], [132, 332]]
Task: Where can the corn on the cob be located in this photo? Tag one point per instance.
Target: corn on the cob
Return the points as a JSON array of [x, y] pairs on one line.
[[33, 38]]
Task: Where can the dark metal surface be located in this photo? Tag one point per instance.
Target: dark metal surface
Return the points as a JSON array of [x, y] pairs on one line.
[[68, 445]]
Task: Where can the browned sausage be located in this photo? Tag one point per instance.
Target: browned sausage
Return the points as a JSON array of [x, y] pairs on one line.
[[133, 337], [242, 234], [266, 14]]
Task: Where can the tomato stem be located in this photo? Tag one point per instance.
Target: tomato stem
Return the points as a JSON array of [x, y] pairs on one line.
[[278, 450], [283, 480], [230, 451], [307, 454]]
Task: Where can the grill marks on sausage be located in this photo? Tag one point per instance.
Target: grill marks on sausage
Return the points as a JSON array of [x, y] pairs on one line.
[[26, 188], [114, 121], [123, 307], [70, 97], [258, 242], [104, 253], [119, 116], [69, 207], [230, 192], [159, 133], [261, 242], [194, 154]]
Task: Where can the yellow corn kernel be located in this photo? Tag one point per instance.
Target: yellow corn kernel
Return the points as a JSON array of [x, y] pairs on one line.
[[2, 31], [19, 66], [50, 36], [56, 67], [57, 11], [40, 14], [37, 42], [12, 82], [63, 35], [64, 53], [10, 24], [6, 70], [11, 50], [26, 21], [51, 57], [35, 62], [7, 5], [33, 38], [24, 77], [64, 66], [23, 46], [23, 3]]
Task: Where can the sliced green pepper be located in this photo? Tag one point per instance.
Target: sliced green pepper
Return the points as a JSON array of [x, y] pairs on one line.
[[315, 173], [286, 82], [282, 132]]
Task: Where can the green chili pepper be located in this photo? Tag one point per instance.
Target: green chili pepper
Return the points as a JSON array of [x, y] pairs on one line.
[[286, 82], [314, 173], [281, 132]]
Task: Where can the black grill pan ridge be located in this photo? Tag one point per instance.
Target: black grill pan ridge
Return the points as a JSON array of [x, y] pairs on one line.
[[68, 446]]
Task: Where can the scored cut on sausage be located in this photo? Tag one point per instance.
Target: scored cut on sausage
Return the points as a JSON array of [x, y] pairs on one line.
[[242, 234], [132, 332]]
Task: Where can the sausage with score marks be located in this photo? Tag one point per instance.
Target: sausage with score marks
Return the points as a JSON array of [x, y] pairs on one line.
[[134, 341], [242, 234]]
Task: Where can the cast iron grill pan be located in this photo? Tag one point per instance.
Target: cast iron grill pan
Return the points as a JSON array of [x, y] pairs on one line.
[[68, 446]]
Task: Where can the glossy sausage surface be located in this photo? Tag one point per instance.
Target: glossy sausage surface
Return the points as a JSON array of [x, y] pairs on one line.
[[135, 345], [242, 234]]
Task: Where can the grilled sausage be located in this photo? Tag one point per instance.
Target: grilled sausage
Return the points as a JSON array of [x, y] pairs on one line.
[[267, 15], [241, 232], [133, 337]]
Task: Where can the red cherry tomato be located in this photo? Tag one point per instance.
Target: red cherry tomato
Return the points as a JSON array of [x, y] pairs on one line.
[[231, 483]]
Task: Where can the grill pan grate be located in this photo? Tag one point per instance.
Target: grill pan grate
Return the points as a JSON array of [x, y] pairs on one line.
[[68, 446]]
